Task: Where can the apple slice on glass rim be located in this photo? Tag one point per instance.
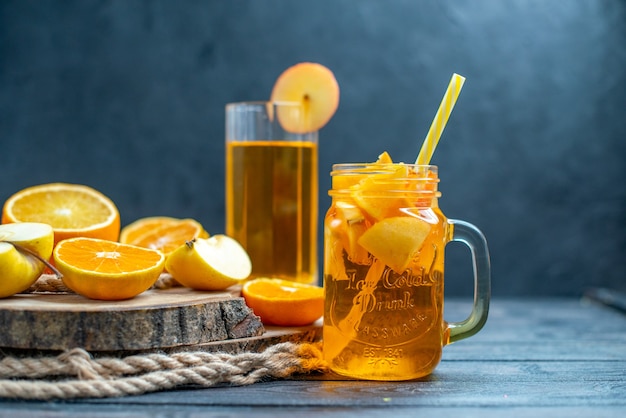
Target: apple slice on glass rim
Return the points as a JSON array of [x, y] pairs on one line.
[[314, 87]]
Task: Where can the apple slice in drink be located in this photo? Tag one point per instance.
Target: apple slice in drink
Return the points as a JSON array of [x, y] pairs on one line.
[[356, 253], [333, 260], [354, 180], [384, 158], [380, 193], [353, 220], [395, 241]]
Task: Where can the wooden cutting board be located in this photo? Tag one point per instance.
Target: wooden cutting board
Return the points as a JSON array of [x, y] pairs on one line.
[[175, 319]]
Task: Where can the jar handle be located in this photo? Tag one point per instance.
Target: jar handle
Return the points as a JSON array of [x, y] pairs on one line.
[[472, 237]]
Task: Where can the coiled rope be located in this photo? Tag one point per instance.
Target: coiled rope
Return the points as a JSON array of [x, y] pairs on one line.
[[78, 374], [43, 378]]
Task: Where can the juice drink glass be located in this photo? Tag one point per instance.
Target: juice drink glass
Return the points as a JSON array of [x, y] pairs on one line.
[[272, 190], [384, 245]]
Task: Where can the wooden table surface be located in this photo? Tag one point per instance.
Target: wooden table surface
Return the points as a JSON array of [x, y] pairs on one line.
[[535, 358]]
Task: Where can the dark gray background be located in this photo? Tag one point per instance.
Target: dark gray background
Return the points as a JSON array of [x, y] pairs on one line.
[[128, 97]]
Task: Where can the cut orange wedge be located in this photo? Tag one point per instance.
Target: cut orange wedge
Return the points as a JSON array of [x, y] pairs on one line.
[[162, 233], [107, 270], [72, 210], [284, 303]]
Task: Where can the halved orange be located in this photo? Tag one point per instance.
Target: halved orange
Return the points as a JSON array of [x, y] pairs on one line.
[[284, 303], [162, 233], [107, 270], [72, 210]]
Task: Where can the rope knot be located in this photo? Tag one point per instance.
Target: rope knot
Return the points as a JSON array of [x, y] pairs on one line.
[[80, 363], [311, 357]]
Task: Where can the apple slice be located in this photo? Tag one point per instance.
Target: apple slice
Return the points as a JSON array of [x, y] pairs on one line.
[[344, 182], [395, 241], [315, 87], [384, 158], [20, 246], [213, 263], [353, 220], [356, 253], [373, 192]]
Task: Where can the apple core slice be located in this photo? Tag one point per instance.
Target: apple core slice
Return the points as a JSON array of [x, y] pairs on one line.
[[19, 269], [312, 85], [213, 263], [395, 241], [34, 236]]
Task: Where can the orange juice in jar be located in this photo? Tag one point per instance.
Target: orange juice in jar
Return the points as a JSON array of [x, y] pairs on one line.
[[384, 242]]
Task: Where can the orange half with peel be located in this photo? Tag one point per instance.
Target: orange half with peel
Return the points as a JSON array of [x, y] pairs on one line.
[[73, 210], [162, 233], [107, 270], [284, 303]]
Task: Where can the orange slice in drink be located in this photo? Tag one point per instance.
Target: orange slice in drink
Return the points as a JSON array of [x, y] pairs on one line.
[[107, 270], [162, 233], [284, 303], [72, 210]]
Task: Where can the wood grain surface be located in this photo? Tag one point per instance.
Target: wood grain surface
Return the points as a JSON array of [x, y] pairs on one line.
[[156, 319]]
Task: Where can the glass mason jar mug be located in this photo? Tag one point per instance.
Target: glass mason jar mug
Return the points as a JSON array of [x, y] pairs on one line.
[[384, 242]]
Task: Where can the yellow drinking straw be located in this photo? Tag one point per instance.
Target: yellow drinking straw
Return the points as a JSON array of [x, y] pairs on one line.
[[441, 118]]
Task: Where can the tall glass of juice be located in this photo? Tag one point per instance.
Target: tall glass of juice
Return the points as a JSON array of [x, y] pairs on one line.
[[272, 189]]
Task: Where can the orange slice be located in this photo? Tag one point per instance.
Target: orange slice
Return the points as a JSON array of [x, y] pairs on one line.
[[72, 210], [162, 233], [312, 85], [107, 270], [284, 303]]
